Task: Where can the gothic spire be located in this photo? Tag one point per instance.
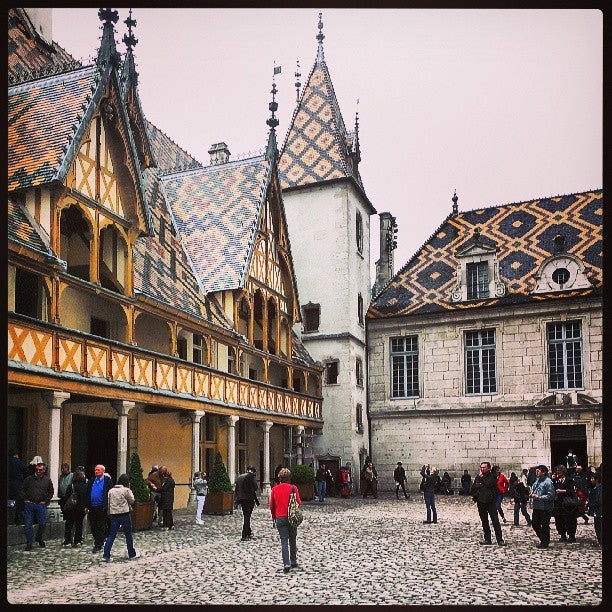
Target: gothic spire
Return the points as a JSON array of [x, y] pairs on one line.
[[297, 82], [108, 54], [130, 41], [272, 121], [320, 37], [455, 200]]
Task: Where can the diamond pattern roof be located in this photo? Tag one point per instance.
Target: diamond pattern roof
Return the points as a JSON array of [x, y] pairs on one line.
[[317, 145], [41, 116], [169, 157], [523, 233], [217, 210]]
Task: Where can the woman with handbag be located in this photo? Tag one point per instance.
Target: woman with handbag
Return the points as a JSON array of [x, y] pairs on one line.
[[566, 506], [73, 509], [279, 508]]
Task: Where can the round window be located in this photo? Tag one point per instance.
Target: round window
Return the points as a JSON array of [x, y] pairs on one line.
[[561, 276]]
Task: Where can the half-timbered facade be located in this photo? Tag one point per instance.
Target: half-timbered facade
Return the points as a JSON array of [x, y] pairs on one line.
[[151, 299]]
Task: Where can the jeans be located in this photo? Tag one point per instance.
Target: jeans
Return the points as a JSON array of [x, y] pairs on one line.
[[288, 535], [120, 520], [498, 505], [321, 490], [201, 500], [523, 508], [247, 510], [430, 504], [29, 510], [97, 524], [540, 521], [486, 511]]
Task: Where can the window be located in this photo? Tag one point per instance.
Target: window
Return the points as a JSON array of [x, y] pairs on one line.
[[331, 372], [209, 434], [359, 418], [405, 367], [181, 348], [99, 327], [480, 362], [359, 371], [477, 280], [199, 349], [242, 431], [311, 314], [27, 294], [564, 355], [252, 374], [359, 232], [360, 309], [231, 361]]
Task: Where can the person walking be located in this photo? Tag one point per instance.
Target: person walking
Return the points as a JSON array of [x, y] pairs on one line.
[[74, 516], [167, 497], [97, 505], [369, 475], [521, 497], [542, 496], [246, 496], [503, 485], [279, 508], [36, 492], [484, 492], [594, 503], [565, 508], [399, 475], [200, 484], [154, 482], [321, 478], [120, 502], [17, 473], [431, 480]]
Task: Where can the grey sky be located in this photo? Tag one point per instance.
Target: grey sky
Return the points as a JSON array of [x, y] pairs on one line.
[[502, 105]]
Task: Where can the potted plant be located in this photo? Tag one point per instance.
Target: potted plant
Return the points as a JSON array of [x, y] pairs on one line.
[[220, 498], [303, 477], [142, 510]]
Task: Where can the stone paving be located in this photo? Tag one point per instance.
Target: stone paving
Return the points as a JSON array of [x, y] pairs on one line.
[[367, 551]]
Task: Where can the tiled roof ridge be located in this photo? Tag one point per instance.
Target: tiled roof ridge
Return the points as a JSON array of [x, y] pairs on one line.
[[192, 171], [71, 74], [172, 141], [34, 74]]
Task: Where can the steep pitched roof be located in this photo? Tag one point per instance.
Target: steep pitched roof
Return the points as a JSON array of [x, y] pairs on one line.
[[22, 229], [42, 116], [524, 234], [217, 209], [169, 157], [29, 55]]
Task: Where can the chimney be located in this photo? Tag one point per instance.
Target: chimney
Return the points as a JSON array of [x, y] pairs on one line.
[[219, 154], [388, 243]]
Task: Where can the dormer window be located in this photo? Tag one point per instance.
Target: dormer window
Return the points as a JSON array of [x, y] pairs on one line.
[[561, 272], [477, 270]]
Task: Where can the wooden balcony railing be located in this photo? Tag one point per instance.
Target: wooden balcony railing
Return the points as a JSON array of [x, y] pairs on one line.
[[54, 347]]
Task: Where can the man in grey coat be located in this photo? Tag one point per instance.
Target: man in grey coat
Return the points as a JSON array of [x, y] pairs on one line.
[[543, 496]]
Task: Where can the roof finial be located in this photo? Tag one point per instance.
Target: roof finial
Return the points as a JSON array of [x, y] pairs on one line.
[[108, 52], [273, 106], [297, 82], [320, 37], [455, 200], [129, 39]]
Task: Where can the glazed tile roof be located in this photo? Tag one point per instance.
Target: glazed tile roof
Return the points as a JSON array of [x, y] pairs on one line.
[[21, 228], [29, 56], [169, 157], [317, 146], [523, 233], [217, 210], [41, 116], [298, 350]]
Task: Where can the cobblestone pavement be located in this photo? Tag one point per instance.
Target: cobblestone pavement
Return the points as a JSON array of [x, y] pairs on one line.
[[370, 551]]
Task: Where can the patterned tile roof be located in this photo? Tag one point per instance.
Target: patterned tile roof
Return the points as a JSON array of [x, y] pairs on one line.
[[41, 119], [298, 350], [317, 146], [524, 235], [169, 157], [21, 228], [217, 209], [29, 56]]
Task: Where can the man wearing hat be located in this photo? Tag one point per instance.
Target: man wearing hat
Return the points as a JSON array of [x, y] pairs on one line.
[[246, 496], [399, 475]]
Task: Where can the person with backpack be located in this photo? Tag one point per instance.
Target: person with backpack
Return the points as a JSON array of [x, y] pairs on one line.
[[503, 484], [279, 509]]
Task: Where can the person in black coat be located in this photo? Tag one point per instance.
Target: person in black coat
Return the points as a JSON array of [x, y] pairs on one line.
[[521, 497], [167, 497], [566, 518], [246, 496], [431, 482], [97, 505], [484, 492], [74, 516], [399, 475], [17, 472]]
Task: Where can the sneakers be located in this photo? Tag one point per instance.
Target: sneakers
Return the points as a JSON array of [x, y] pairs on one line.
[[486, 543], [107, 559], [136, 555], [199, 522]]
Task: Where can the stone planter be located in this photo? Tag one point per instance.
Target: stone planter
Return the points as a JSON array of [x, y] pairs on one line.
[[142, 515], [306, 491], [219, 503]]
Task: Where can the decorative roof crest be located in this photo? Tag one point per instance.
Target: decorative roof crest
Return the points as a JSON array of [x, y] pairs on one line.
[[320, 37]]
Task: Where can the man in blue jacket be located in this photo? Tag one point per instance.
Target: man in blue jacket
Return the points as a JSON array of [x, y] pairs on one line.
[[97, 505], [543, 496]]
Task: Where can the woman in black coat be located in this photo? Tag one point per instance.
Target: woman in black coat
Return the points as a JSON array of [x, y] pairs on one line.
[[566, 518], [167, 497], [74, 517]]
